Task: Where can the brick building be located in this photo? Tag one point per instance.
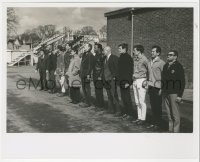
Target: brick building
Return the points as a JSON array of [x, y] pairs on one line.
[[170, 28]]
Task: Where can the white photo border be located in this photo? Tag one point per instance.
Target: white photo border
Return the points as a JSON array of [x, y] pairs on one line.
[[100, 145]]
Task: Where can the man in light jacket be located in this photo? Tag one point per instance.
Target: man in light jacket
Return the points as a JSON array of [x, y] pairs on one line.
[[73, 76], [155, 68]]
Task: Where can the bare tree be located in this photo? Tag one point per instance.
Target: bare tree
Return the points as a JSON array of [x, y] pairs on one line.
[[77, 32], [45, 31], [66, 30], [103, 29], [50, 30], [88, 30], [12, 22]]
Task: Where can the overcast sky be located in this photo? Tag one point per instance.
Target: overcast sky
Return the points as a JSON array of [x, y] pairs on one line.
[[75, 18]]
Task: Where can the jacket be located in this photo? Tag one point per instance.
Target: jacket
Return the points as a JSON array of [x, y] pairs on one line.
[[66, 60], [155, 69], [98, 66], [42, 64], [73, 72], [87, 64], [125, 68], [52, 62], [173, 79], [60, 67], [113, 66], [141, 67]]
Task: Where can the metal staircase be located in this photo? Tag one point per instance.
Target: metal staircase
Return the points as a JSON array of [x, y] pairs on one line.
[[48, 41], [17, 60]]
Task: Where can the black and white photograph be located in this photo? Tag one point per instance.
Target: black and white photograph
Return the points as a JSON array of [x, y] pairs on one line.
[[81, 69], [126, 70]]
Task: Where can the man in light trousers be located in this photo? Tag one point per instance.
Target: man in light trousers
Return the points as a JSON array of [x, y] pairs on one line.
[[139, 81], [173, 80]]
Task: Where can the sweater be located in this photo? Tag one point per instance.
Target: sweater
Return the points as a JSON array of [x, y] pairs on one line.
[[173, 79]]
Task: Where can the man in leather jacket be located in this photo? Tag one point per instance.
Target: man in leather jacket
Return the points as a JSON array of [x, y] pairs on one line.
[[87, 66], [97, 76]]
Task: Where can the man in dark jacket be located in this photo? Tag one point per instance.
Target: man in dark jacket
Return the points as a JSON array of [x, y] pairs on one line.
[[87, 65], [110, 77], [42, 68], [97, 76], [125, 66], [173, 84], [52, 61], [67, 57]]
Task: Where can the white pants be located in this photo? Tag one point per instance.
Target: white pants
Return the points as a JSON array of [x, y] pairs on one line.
[[140, 95], [62, 81]]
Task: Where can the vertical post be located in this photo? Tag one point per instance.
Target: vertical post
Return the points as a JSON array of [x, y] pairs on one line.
[[11, 55], [67, 36], [132, 34], [31, 54]]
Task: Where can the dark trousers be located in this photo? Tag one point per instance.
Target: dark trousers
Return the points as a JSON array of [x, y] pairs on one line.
[[126, 99], [86, 90], [43, 80], [156, 105], [75, 94], [67, 90], [51, 81], [98, 84], [113, 99]]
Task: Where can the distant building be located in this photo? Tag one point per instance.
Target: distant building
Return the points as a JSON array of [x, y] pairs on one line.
[[170, 28], [102, 36]]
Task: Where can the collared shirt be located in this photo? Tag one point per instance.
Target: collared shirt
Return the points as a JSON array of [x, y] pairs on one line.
[[171, 63], [155, 68], [108, 57], [154, 60], [140, 67]]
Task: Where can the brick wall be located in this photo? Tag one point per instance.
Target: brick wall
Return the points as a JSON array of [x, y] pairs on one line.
[[118, 31], [170, 28]]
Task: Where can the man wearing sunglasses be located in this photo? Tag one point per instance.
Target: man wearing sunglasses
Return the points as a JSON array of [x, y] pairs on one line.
[[173, 84]]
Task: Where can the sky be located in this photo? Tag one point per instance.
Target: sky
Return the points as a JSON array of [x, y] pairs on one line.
[[75, 18]]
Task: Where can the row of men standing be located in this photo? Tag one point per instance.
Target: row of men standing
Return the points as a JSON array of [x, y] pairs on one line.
[[110, 72]]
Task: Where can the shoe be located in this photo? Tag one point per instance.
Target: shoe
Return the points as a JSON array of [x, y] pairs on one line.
[[157, 128], [61, 95], [141, 122], [75, 102], [84, 105], [101, 109], [110, 111], [118, 114], [124, 116], [45, 89], [71, 101], [151, 126], [129, 118], [41, 89], [136, 121], [51, 92], [98, 108]]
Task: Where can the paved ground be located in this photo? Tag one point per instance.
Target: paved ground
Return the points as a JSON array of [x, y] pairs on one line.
[[188, 95], [30, 110]]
